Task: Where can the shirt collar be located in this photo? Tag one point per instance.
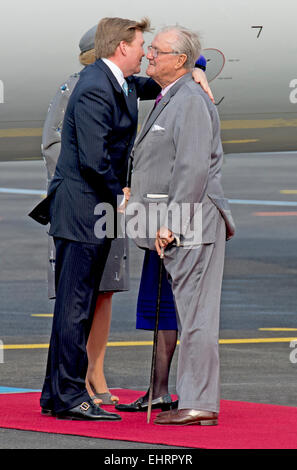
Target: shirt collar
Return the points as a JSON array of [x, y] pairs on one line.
[[167, 88], [115, 70]]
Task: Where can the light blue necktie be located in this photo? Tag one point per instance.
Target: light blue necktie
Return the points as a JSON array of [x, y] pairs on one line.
[[125, 87]]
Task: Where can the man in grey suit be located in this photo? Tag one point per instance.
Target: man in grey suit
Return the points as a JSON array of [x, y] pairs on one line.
[[176, 185]]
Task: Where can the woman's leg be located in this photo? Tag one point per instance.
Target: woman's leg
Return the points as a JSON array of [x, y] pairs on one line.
[[164, 354], [165, 350], [167, 336], [96, 346]]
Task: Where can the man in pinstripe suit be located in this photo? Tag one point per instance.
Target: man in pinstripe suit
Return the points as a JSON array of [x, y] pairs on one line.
[[98, 133]]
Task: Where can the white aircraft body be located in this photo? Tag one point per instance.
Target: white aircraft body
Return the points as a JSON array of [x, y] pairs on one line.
[[250, 47]]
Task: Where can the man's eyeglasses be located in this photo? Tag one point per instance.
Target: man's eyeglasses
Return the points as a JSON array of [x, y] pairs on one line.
[[155, 52]]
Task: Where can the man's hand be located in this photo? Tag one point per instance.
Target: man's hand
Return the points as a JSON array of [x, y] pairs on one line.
[[127, 192], [163, 238], [126, 197], [200, 77]]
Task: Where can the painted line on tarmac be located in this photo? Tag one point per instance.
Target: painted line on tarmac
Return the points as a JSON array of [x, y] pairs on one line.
[[24, 346], [150, 343], [275, 214], [17, 390], [257, 340], [41, 192], [243, 141], [30, 192], [263, 203], [42, 314], [277, 329], [288, 191]]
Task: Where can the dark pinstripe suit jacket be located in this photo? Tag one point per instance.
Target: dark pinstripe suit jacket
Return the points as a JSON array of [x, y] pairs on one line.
[[99, 129]]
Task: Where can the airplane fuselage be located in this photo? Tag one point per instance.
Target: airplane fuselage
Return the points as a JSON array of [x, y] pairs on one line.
[[250, 48]]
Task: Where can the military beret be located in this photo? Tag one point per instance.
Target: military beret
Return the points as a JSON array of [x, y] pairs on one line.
[[87, 41]]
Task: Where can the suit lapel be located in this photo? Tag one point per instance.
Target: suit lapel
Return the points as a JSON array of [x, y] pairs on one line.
[[131, 99], [155, 112], [110, 75], [152, 117]]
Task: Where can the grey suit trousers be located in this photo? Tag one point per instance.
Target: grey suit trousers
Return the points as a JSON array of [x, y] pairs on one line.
[[196, 276]]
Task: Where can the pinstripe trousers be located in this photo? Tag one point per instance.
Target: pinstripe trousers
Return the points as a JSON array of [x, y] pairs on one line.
[[79, 268]]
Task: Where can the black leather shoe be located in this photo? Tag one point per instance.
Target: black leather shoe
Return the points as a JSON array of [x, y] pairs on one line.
[[141, 404], [88, 411]]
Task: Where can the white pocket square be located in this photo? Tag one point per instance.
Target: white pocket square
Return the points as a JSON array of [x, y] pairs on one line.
[[157, 128]]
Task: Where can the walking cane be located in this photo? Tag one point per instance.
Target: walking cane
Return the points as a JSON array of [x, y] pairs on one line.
[[153, 366]]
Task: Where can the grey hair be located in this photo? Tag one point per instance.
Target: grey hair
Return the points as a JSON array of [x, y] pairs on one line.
[[187, 42]]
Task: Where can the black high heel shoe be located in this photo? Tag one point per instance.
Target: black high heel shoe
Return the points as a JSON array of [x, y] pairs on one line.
[[141, 404]]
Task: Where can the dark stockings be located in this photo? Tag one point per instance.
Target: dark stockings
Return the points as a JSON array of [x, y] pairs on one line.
[[165, 350]]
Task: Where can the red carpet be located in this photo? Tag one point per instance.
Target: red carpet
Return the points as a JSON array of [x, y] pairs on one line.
[[241, 425]]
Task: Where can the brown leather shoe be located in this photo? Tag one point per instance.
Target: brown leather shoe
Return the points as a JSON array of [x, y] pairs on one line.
[[186, 417]]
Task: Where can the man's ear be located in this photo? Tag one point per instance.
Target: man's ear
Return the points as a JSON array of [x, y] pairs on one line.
[[181, 60], [123, 47]]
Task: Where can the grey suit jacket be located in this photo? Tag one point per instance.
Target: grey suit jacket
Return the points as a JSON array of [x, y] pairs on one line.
[[177, 163]]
